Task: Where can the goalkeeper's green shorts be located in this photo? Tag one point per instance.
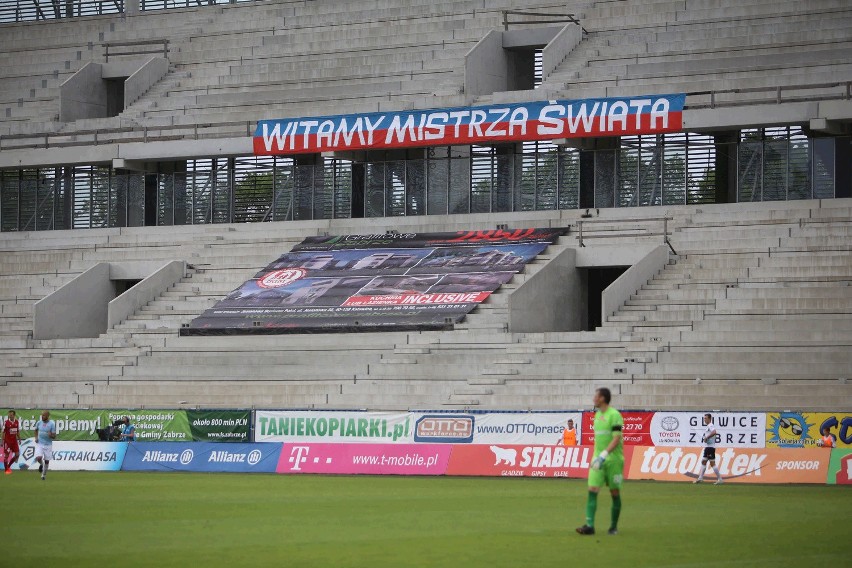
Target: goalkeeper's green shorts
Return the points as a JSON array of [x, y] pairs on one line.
[[611, 474]]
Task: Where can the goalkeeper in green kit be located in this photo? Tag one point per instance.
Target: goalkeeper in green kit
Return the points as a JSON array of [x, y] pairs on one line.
[[608, 463]]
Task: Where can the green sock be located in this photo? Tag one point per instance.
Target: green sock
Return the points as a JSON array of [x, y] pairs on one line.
[[591, 507], [616, 510]]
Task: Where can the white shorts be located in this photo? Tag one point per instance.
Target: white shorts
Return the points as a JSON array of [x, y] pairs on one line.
[[44, 451]]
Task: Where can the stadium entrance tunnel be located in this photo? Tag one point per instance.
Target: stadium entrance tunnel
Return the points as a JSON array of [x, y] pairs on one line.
[[102, 297], [581, 287], [597, 280], [101, 90]]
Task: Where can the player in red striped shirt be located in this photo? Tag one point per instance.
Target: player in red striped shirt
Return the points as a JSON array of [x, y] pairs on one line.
[[11, 435]]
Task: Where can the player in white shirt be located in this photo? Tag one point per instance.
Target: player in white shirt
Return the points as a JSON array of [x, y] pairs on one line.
[[45, 433], [708, 439]]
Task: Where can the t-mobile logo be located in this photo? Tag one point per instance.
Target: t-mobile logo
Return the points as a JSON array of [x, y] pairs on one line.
[[298, 456], [301, 454]]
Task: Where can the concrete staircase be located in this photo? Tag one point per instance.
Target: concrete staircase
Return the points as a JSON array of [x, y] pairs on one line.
[[753, 312]]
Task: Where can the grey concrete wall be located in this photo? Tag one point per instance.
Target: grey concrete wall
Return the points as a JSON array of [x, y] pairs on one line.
[[77, 309], [486, 67], [143, 78], [148, 289], [552, 300], [633, 278], [531, 37], [612, 255], [559, 47], [83, 94]]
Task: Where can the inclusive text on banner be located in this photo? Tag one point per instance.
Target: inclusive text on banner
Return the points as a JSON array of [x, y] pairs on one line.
[[517, 122]]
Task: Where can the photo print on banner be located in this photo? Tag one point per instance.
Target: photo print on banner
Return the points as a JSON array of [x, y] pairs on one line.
[[375, 282]]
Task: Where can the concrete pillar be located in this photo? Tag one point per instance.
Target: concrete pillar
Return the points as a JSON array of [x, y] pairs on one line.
[[309, 182], [726, 166], [842, 171], [131, 7], [67, 197], [504, 192]]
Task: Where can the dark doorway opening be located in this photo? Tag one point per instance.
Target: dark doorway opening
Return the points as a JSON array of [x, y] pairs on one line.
[[598, 280], [122, 286], [115, 96]]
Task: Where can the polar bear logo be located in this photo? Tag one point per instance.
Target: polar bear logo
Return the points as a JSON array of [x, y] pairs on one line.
[[504, 455]]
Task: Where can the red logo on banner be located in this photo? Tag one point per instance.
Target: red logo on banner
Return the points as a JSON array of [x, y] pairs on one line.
[[636, 432], [281, 278], [844, 475]]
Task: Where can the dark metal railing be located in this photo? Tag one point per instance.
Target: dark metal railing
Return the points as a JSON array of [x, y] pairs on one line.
[[138, 47], [37, 10], [620, 231], [539, 18]]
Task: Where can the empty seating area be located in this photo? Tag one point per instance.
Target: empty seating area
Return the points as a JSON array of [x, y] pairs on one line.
[[692, 46], [250, 61], [757, 319]]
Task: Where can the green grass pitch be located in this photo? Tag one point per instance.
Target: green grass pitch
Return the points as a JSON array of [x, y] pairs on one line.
[[201, 520]]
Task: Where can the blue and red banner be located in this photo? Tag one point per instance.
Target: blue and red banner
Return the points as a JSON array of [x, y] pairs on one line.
[[517, 122]]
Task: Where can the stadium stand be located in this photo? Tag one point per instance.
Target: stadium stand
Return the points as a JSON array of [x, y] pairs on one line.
[[750, 310]]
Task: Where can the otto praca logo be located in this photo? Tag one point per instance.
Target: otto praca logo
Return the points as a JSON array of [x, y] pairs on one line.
[[669, 423], [444, 428], [186, 456], [281, 278]]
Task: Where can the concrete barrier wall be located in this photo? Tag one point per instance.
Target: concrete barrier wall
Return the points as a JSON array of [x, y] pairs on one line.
[[559, 47], [83, 94], [77, 309], [552, 300], [148, 289], [143, 78], [486, 67], [633, 278]]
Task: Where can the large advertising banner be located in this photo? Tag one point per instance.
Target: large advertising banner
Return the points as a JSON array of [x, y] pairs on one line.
[[366, 459], [804, 429], [75, 456], [524, 428], [840, 467], [515, 122], [425, 427], [151, 425], [219, 425], [637, 428], [330, 426], [357, 282], [506, 460], [734, 429], [202, 456], [737, 465]]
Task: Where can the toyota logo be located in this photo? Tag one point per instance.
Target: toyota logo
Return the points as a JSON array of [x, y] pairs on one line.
[[669, 423], [186, 456], [254, 457]]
